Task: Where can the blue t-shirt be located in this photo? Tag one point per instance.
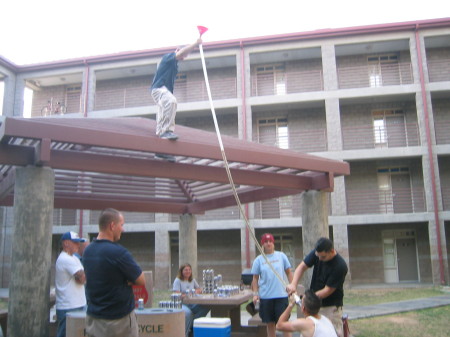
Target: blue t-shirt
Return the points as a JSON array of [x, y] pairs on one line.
[[166, 72], [109, 267], [269, 284]]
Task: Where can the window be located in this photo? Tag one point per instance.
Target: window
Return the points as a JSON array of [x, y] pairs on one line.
[[388, 127], [271, 79], [274, 131], [376, 64], [394, 190]]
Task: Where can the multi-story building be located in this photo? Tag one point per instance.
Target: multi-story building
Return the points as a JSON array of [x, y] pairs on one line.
[[377, 97]]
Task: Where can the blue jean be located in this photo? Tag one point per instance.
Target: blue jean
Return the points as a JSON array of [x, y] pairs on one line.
[[191, 312], [61, 317]]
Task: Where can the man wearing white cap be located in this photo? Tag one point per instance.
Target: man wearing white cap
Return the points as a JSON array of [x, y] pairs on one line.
[[69, 280]]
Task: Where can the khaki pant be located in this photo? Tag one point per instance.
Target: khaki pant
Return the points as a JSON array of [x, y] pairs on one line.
[[123, 327], [334, 314], [167, 110]]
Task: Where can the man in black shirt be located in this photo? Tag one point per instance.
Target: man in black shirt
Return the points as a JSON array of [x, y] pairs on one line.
[[327, 281]]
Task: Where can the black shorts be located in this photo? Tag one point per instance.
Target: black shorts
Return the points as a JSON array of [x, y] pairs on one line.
[[271, 309]]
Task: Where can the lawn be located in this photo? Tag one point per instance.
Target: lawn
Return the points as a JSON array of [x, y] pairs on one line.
[[421, 323], [368, 296]]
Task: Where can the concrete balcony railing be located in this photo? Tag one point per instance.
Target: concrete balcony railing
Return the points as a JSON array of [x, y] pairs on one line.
[[370, 76], [311, 140], [439, 70], [446, 198], [190, 91], [442, 130], [368, 137], [402, 200], [195, 91], [286, 83]]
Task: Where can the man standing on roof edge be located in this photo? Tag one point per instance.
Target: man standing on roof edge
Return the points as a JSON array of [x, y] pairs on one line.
[[162, 90]]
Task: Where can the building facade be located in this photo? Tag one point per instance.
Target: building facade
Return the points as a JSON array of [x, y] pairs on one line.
[[377, 97]]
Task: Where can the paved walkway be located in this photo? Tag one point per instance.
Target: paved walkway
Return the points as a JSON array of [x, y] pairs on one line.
[[358, 312]]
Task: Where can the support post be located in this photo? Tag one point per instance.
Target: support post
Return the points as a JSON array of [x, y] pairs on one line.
[[314, 224], [188, 242], [29, 290]]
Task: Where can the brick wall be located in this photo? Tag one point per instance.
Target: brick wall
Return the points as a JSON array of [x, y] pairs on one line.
[[41, 98], [441, 114], [444, 174], [123, 93], [366, 251]]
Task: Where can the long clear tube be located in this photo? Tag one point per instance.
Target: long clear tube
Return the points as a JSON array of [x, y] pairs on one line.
[[230, 178]]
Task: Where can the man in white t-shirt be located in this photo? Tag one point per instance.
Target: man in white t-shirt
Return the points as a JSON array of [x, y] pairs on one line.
[[69, 280]]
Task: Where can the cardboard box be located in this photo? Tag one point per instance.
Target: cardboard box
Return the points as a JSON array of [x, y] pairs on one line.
[[152, 322]]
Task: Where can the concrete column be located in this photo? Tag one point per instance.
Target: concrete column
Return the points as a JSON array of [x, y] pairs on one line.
[[19, 97], [314, 224], [9, 85], [162, 259], [338, 200], [340, 240], [247, 248], [434, 252], [29, 290], [6, 246], [330, 79], [333, 119], [188, 242], [88, 88]]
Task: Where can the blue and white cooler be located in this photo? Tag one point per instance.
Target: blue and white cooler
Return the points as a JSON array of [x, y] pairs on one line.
[[212, 326]]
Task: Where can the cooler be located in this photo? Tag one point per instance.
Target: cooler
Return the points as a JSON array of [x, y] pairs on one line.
[[212, 326]]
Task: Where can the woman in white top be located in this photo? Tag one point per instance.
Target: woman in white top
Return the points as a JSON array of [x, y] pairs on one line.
[[314, 325], [185, 282]]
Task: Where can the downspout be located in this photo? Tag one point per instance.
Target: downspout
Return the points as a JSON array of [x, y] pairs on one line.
[[244, 136], [430, 155], [86, 91], [85, 104]]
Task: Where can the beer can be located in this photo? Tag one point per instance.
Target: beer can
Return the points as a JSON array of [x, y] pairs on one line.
[[141, 304]]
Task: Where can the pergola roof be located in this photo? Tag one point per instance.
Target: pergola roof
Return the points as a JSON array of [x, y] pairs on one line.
[[110, 162]]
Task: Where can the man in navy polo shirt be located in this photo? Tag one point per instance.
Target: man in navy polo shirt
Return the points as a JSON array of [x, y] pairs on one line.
[[110, 273]]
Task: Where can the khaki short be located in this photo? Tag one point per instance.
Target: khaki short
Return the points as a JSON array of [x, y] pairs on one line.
[[334, 314], [125, 326]]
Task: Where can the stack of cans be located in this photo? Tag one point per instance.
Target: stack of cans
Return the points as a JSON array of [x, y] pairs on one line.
[[211, 282], [174, 303], [227, 291], [208, 281]]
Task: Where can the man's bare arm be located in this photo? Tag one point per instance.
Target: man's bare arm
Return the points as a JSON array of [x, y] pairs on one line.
[[80, 277]]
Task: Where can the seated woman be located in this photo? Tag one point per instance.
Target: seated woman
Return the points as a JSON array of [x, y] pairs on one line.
[[184, 281]]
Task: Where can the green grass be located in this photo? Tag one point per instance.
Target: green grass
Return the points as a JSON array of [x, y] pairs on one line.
[[421, 323], [370, 296]]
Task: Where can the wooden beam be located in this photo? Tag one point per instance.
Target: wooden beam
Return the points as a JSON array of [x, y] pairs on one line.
[[73, 160]]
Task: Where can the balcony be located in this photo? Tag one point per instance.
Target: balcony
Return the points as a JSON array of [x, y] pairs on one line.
[[286, 83], [185, 91], [439, 70], [403, 200], [195, 91], [442, 129], [370, 76], [314, 140], [446, 198], [368, 137]]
